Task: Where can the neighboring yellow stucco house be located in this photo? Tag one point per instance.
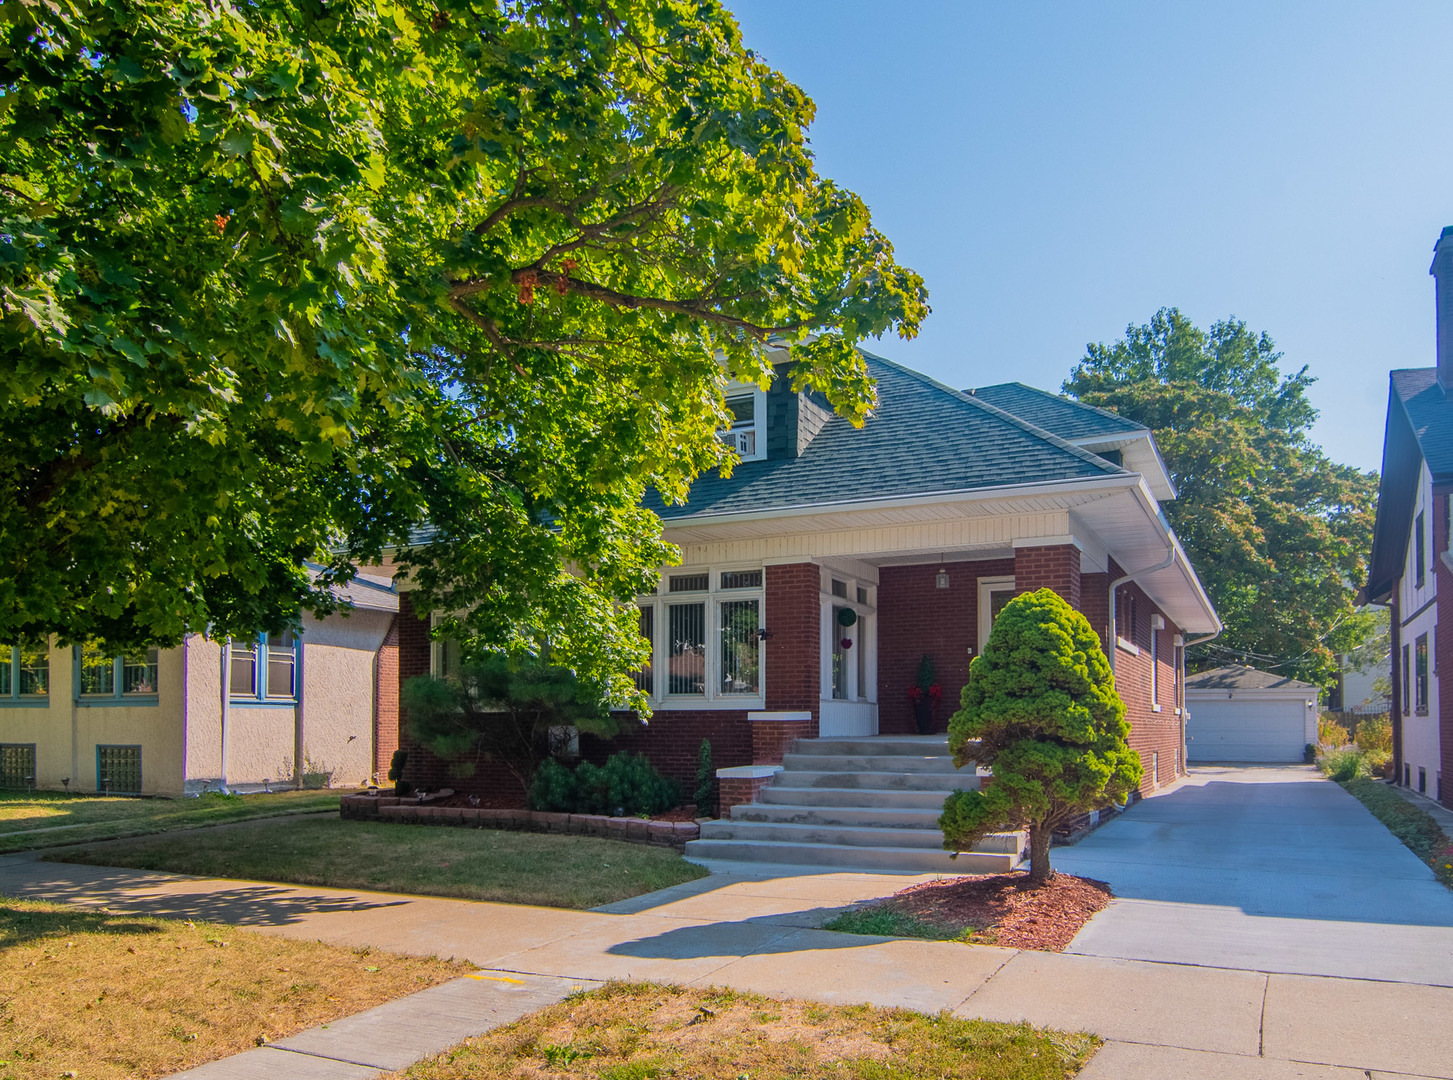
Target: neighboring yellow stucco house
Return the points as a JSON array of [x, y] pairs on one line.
[[273, 711]]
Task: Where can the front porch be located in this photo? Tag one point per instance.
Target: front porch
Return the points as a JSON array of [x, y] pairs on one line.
[[850, 803]]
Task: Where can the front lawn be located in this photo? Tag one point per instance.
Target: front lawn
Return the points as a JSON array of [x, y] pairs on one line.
[[1413, 826], [36, 819], [476, 864], [643, 1031], [109, 996]]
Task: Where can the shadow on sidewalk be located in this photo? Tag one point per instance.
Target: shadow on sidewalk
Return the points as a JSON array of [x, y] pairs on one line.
[[172, 897], [745, 937]]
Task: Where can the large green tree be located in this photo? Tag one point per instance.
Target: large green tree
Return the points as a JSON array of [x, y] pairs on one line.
[[287, 281], [1278, 532]]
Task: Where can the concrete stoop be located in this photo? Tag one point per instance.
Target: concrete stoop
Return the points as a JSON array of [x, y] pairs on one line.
[[857, 804]]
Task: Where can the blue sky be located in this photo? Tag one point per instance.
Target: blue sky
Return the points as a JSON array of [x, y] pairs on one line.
[[1056, 171]]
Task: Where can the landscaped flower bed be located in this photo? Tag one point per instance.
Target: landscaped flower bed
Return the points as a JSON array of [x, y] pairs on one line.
[[390, 808]]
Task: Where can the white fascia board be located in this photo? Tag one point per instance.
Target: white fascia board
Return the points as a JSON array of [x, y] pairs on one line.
[[1150, 507], [1095, 485]]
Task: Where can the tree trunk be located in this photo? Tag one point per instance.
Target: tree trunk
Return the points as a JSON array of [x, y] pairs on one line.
[[1039, 837]]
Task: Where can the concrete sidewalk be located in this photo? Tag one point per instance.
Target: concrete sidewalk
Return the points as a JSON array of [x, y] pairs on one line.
[[757, 931]]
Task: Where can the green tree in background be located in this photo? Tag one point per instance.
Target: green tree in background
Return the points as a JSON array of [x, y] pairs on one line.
[[285, 281], [1277, 531], [1040, 710]]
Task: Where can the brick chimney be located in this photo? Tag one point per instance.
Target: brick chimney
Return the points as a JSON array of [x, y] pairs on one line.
[[1442, 271]]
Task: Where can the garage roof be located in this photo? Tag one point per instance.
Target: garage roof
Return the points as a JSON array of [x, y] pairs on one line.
[[1236, 677]]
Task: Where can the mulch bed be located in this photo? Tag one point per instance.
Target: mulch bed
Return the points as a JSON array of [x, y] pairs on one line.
[[1004, 910]]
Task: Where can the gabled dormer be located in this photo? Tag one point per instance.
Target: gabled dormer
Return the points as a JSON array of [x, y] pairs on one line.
[[776, 423]]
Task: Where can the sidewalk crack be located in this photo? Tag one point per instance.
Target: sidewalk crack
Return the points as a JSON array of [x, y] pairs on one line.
[[1261, 1026]]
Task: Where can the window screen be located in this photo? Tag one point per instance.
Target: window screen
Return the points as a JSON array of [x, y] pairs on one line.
[[690, 582], [281, 664], [686, 659], [739, 654], [741, 579], [645, 676]]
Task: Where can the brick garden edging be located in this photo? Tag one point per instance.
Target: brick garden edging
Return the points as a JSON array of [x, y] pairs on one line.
[[673, 834]]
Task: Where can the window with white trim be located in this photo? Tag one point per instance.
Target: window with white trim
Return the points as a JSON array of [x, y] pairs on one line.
[[265, 669], [703, 626], [747, 435]]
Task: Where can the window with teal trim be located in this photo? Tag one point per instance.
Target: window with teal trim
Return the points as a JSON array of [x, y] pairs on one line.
[[25, 674], [106, 679], [264, 670]]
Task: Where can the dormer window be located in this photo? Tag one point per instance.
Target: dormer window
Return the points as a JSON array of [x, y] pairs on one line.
[[748, 434]]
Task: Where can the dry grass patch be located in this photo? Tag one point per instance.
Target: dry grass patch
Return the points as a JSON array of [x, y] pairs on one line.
[[643, 1031], [110, 996]]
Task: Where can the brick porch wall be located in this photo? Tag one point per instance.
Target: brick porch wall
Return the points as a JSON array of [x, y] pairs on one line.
[[1443, 652], [916, 617], [672, 740], [793, 617], [1054, 567]]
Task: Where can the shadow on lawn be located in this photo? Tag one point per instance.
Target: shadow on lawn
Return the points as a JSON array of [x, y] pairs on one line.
[[22, 926], [168, 896]]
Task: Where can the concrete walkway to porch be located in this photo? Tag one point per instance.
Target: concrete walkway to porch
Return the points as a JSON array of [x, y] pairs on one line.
[[757, 930]]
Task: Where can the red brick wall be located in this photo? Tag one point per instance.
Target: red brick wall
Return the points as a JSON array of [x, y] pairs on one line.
[[1155, 735], [672, 740], [1443, 653], [386, 701], [793, 666], [771, 739], [1055, 567], [916, 617]]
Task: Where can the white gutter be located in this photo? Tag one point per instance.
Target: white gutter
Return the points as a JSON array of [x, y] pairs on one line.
[[1087, 484]]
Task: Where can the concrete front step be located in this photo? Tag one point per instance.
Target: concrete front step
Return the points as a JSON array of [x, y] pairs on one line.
[[924, 860], [852, 836], [878, 781], [800, 762], [869, 816], [878, 746], [897, 799]]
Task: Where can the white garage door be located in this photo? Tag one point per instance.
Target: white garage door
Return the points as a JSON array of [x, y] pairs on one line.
[[1227, 729]]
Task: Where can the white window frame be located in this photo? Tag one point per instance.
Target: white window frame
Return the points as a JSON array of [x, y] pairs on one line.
[[713, 596], [752, 435], [988, 586]]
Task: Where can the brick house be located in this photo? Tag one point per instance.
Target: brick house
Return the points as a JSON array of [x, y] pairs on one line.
[[815, 579], [1411, 569]]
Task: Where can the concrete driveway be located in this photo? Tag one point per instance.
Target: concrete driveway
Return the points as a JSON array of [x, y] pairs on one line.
[[1269, 869]]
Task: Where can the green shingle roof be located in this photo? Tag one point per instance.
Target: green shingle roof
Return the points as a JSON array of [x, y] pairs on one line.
[[923, 438], [1067, 418]]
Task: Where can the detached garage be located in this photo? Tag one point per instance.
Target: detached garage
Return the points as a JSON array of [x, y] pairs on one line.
[[1243, 715]]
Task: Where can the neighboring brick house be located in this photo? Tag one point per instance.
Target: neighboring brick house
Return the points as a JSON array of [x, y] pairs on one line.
[[1411, 569], [814, 579]]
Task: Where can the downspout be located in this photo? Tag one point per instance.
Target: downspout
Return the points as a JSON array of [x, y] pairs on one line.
[[299, 743], [226, 705], [1114, 647], [1115, 587]]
